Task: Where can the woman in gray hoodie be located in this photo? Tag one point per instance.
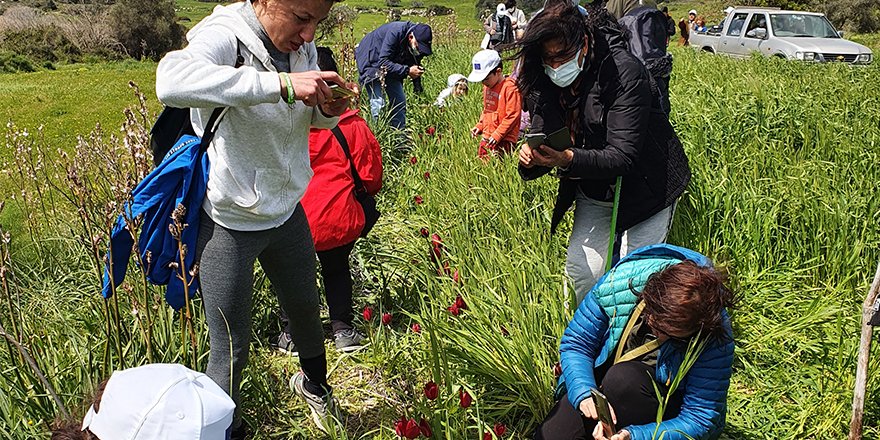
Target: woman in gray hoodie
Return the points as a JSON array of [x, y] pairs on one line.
[[259, 170]]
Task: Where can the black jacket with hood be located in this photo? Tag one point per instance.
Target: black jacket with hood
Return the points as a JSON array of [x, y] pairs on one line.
[[618, 128]]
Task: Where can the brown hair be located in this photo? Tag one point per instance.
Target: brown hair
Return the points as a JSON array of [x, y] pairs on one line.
[[72, 429], [686, 298]]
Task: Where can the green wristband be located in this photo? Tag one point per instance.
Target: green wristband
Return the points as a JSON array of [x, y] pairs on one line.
[[291, 95]]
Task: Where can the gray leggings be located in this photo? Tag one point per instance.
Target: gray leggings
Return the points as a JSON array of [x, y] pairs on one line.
[[226, 273]]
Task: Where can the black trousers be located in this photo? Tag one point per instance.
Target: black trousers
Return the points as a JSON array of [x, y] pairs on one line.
[[336, 273], [629, 389]]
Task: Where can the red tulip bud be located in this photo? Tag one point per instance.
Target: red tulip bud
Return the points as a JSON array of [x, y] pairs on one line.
[[427, 175], [499, 429], [418, 200], [413, 160], [368, 313], [400, 426], [455, 276], [464, 398], [487, 435], [431, 390], [425, 428], [410, 429], [424, 232], [386, 318], [431, 130], [416, 328], [454, 310], [459, 301]]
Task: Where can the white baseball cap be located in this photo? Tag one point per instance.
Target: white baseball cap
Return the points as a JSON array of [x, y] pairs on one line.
[[453, 79], [161, 401], [501, 9], [692, 11], [484, 62]]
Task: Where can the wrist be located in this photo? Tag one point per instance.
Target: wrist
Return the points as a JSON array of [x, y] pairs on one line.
[[567, 159]]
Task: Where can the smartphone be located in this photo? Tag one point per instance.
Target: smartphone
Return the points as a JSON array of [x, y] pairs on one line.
[[604, 411], [559, 140], [535, 139], [340, 92]]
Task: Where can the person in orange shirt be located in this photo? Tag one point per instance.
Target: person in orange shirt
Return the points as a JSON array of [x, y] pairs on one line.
[[502, 105]]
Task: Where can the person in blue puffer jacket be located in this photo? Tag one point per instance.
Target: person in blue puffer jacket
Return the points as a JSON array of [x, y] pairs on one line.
[[630, 334]]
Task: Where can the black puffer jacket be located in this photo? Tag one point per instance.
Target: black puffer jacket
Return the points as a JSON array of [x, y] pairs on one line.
[[619, 130]]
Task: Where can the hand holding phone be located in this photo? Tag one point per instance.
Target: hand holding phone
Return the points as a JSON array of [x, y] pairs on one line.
[[603, 411], [340, 92]]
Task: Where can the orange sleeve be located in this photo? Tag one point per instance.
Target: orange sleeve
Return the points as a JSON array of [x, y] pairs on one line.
[[508, 127]]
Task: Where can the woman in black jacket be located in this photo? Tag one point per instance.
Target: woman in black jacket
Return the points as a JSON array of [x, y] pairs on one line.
[[578, 74]]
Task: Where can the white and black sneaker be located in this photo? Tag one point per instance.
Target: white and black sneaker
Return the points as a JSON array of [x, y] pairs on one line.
[[285, 344], [324, 408]]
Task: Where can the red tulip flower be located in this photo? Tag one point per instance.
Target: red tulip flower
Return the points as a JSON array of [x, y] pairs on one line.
[[459, 302], [431, 390], [400, 426], [499, 429], [386, 318], [411, 430], [416, 328], [430, 130], [424, 232], [464, 398], [487, 435], [427, 175], [368, 313], [413, 160], [425, 428], [454, 310], [455, 276], [418, 200]]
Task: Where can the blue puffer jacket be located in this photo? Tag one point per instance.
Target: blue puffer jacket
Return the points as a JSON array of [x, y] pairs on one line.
[[385, 48], [593, 334]]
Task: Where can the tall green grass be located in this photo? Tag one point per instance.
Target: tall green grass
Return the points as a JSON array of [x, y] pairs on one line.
[[784, 157]]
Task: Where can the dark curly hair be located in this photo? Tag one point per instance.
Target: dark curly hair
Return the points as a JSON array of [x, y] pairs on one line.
[[686, 298], [72, 429]]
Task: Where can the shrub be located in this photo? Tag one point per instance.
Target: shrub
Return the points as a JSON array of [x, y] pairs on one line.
[[44, 43], [392, 3], [146, 28], [439, 10], [855, 15], [418, 4], [12, 62], [340, 16]]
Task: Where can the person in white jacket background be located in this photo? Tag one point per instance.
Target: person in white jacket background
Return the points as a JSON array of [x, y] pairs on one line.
[[259, 170]]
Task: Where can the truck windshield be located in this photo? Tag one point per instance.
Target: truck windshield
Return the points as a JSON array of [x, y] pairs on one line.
[[802, 25]]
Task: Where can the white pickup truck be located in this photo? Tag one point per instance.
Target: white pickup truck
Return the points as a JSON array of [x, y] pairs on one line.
[[793, 35]]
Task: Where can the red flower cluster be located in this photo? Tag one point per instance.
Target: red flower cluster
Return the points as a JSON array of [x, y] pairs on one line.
[[499, 429], [410, 429], [457, 306]]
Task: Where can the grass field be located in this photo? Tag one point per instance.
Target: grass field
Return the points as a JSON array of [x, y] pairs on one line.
[[784, 157]]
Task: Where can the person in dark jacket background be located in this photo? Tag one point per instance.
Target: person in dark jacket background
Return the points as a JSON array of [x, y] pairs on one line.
[[387, 56], [577, 73]]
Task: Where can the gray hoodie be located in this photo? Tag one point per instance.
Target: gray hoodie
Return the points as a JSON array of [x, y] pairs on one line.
[[260, 154]]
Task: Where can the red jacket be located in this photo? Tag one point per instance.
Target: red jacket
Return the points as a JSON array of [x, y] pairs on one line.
[[335, 216]]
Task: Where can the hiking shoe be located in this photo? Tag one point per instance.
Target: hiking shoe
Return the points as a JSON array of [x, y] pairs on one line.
[[285, 345], [323, 408], [348, 340]]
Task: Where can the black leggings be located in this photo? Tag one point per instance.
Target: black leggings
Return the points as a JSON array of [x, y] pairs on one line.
[[630, 392], [336, 273]]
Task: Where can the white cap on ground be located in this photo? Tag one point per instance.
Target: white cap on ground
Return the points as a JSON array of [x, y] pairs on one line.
[[454, 79], [483, 63], [161, 401]]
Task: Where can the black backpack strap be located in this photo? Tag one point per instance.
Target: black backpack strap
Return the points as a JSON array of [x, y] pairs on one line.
[[358, 183], [211, 126]]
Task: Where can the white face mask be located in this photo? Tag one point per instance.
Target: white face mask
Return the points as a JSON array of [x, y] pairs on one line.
[[566, 73]]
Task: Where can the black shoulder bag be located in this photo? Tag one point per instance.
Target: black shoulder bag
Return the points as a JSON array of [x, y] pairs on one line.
[[367, 201], [173, 123]]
